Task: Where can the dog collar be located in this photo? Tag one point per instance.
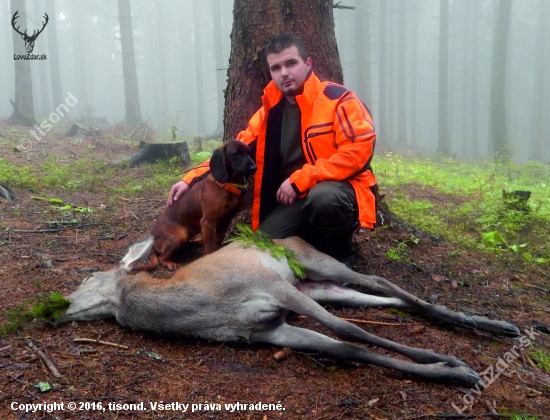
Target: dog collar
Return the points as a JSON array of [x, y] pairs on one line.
[[237, 189]]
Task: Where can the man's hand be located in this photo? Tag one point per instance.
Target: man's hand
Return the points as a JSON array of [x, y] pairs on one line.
[[176, 192], [286, 194]]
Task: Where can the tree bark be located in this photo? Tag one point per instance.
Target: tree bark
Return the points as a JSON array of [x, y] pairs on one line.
[[131, 92], [254, 23], [23, 107]]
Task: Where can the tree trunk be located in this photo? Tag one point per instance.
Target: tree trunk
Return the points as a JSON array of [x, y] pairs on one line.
[[218, 54], [153, 70], [499, 132], [80, 28], [53, 57], [538, 133], [383, 74], [162, 73], [23, 107], [254, 23], [402, 74], [43, 88], [131, 93], [414, 72], [444, 146], [362, 48], [391, 67], [474, 19], [198, 68], [188, 116]]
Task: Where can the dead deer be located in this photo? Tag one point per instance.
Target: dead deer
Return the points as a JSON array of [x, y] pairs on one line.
[[242, 292]]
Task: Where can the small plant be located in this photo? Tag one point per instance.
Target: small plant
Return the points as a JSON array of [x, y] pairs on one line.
[[398, 253], [495, 239], [399, 313], [43, 386], [542, 359], [262, 241], [49, 307], [200, 157]]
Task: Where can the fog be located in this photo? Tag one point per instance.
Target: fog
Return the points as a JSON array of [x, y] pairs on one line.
[[390, 53]]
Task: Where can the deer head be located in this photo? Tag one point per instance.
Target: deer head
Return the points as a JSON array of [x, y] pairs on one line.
[[29, 40]]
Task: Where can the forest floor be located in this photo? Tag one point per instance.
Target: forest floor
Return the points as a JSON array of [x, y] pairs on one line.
[[39, 254]]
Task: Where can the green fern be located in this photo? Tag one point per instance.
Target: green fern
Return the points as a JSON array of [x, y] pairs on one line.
[[247, 237], [48, 306]]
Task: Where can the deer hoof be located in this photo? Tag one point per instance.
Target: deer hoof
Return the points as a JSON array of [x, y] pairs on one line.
[[496, 327]]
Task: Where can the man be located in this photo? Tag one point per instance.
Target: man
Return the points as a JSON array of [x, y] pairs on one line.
[[313, 143]]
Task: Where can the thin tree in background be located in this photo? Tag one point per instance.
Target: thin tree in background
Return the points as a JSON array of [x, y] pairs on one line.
[[383, 73], [362, 47], [23, 107], [474, 11], [42, 92], [402, 74], [186, 72], [161, 73], [79, 30], [198, 67], [443, 145], [153, 93], [499, 134], [254, 23], [131, 92], [539, 124], [218, 55], [414, 17], [53, 57]]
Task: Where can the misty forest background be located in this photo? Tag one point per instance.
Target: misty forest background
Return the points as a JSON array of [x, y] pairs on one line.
[[438, 75]]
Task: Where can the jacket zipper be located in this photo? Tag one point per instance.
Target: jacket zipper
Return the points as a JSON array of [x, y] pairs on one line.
[[309, 146]]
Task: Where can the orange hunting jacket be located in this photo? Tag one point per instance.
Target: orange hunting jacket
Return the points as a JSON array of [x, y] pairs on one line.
[[337, 139]]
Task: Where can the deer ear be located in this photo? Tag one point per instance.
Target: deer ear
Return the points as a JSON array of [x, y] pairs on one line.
[[22, 36], [217, 165]]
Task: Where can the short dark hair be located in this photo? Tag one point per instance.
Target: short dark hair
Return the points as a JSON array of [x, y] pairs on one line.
[[281, 42]]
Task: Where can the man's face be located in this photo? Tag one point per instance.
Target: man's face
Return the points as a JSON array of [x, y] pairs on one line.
[[288, 70]]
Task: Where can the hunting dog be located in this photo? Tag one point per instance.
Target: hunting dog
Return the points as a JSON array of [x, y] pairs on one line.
[[244, 293], [207, 208]]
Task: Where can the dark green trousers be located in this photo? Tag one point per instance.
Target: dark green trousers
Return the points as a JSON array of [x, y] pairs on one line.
[[330, 205]]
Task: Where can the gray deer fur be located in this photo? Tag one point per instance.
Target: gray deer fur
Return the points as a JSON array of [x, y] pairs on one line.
[[245, 293]]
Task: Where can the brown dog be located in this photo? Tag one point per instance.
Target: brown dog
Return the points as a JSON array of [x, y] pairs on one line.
[[207, 208]]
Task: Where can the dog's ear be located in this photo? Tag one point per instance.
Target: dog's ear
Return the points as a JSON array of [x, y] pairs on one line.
[[217, 165]]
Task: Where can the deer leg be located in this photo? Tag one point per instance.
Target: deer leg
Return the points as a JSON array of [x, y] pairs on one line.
[[303, 305], [306, 340], [331, 292], [320, 266]]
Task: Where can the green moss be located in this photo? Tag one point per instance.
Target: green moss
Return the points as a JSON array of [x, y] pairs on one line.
[[542, 359], [247, 237], [47, 306]]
